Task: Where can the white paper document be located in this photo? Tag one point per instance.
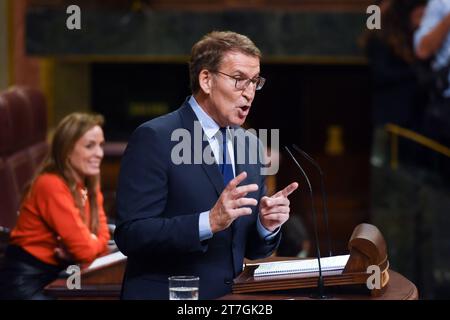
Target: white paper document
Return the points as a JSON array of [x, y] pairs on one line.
[[105, 260], [301, 266]]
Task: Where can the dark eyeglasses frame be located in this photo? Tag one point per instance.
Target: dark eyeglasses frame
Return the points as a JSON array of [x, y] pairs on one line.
[[257, 81]]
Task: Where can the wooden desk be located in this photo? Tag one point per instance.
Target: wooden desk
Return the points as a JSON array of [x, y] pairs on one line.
[[366, 246], [105, 283], [398, 288], [100, 281]]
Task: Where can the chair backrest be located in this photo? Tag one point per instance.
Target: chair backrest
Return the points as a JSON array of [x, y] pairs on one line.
[[23, 146]]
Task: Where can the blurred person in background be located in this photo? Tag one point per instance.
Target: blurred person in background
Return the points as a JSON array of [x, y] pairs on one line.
[[61, 219], [432, 41], [399, 94]]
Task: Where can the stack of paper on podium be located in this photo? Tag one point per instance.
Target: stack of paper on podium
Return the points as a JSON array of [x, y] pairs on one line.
[[367, 249], [336, 263]]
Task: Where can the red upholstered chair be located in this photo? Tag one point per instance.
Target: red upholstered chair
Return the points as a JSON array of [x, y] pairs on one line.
[[36, 101], [8, 198], [8, 194], [17, 157], [8, 203], [20, 120], [23, 146], [5, 127]]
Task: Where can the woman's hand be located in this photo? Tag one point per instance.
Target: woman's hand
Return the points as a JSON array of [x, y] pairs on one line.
[[61, 252]]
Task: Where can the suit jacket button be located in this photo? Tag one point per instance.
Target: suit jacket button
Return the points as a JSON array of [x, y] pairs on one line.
[[227, 282]]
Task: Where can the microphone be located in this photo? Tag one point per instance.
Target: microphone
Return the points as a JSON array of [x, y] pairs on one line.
[[324, 195], [320, 284]]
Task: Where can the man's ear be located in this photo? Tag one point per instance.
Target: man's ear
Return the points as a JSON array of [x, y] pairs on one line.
[[205, 80]]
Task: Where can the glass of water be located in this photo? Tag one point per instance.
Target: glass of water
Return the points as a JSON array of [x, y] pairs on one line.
[[183, 287]]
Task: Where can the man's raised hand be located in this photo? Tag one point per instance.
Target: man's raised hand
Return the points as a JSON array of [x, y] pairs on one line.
[[274, 210], [232, 204]]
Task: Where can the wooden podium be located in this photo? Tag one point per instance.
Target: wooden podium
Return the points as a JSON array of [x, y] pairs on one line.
[[398, 288], [104, 281], [367, 248]]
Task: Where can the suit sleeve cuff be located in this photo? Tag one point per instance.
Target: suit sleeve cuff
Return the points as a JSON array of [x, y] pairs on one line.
[[264, 233], [204, 227]]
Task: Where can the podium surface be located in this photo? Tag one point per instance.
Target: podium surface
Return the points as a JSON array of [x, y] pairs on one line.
[[101, 280], [398, 288], [367, 249], [105, 283]]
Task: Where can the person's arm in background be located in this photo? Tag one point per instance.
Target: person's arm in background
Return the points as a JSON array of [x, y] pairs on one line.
[[61, 215], [103, 235], [432, 32]]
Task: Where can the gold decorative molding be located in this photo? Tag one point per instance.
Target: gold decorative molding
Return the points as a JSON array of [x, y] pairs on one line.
[[397, 131]]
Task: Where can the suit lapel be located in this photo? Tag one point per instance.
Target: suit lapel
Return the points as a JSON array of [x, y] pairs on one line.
[[212, 170]]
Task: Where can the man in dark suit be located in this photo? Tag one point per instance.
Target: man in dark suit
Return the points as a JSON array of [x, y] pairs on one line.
[[179, 214]]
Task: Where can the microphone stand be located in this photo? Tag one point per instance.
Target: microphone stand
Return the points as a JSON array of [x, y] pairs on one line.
[[320, 283], [324, 195]]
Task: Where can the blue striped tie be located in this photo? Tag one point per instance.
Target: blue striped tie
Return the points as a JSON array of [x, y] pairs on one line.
[[226, 168]]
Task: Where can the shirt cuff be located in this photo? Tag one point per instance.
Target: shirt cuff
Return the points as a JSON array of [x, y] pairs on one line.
[[204, 228], [264, 233]]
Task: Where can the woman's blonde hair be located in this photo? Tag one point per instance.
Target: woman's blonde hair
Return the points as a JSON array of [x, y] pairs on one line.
[[67, 133]]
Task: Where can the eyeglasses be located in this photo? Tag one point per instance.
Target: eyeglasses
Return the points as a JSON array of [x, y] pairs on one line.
[[243, 83]]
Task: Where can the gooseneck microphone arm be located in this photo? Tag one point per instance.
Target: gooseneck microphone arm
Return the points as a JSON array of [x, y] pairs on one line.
[[320, 284], [324, 195]]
